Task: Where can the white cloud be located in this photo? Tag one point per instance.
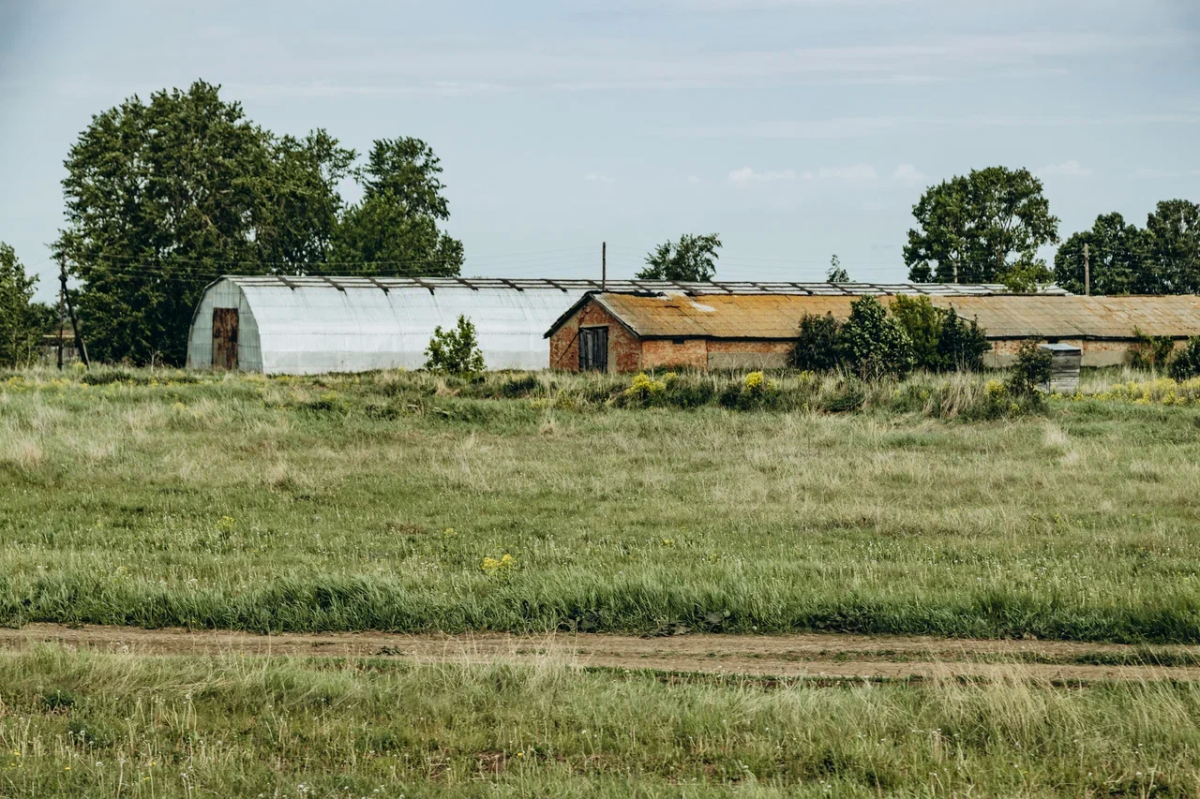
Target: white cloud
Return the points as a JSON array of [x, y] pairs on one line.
[[907, 173], [592, 177], [853, 174], [1067, 169], [748, 175], [693, 179]]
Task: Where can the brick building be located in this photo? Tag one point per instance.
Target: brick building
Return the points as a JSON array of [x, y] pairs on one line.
[[628, 332]]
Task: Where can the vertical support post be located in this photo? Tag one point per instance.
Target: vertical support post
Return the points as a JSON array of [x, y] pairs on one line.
[[604, 266], [1087, 270], [80, 344], [62, 324]]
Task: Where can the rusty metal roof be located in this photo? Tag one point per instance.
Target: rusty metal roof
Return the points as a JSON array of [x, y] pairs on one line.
[[680, 315]]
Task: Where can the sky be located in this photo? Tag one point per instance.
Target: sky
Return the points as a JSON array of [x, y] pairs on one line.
[[796, 129]]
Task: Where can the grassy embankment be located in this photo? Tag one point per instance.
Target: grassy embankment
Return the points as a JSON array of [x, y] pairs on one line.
[[390, 502], [109, 725]]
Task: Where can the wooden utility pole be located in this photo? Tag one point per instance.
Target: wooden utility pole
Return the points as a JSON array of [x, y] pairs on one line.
[[604, 266], [80, 344], [62, 324], [1087, 270]]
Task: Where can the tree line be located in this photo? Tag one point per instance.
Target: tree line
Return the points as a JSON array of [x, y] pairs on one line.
[[163, 196]]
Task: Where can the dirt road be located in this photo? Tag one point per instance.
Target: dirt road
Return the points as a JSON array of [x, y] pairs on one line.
[[828, 656]]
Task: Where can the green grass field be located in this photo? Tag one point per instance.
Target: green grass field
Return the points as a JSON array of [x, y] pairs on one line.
[[405, 502], [123, 725], [391, 502]]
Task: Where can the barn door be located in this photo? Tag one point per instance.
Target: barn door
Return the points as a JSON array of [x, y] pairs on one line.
[[225, 338], [593, 349]]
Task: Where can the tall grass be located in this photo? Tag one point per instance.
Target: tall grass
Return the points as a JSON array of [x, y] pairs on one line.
[[372, 501], [105, 724]]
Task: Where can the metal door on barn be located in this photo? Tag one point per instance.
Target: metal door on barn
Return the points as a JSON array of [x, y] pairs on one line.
[[225, 338], [593, 349]]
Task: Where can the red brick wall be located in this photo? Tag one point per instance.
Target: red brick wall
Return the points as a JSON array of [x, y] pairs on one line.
[[692, 352], [624, 349], [748, 354]]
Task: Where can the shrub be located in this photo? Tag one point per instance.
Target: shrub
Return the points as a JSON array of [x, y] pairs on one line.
[[872, 344], [454, 351], [1150, 352], [1186, 362], [816, 348], [962, 344], [1031, 370], [923, 322]]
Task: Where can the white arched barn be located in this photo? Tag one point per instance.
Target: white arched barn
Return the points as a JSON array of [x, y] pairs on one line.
[[308, 325]]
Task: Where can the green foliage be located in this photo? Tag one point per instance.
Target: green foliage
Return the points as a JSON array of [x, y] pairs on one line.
[[982, 228], [836, 273], [1173, 232], [1163, 258], [1185, 364], [693, 259], [922, 321], [816, 348], [1150, 352], [22, 321], [394, 230], [872, 344], [166, 195], [1118, 258], [1031, 370], [454, 351], [961, 345]]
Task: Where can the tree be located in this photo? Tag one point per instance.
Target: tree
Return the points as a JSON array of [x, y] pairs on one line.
[[692, 260], [1173, 244], [20, 318], [836, 273], [164, 196], [455, 351], [982, 228], [873, 344], [394, 230], [1118, 257], [942, 341], [816, 347]]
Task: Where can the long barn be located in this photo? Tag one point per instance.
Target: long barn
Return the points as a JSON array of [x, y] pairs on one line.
[[307, 325]]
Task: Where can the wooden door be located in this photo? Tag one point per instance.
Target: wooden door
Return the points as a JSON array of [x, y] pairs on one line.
[[225, 338], [593, 349]]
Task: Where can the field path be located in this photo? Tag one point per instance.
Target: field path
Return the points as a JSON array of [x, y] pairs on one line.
[[813, 656]]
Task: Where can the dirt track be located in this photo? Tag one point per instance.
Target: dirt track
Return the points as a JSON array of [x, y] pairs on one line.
[[831, 656]]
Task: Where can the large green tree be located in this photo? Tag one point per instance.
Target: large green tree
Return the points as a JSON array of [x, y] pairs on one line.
[[21, 319], [1173, 233], [394, 230], [1117, 256], [982, 228], [164, 196], [692, 259], [1162, 258]]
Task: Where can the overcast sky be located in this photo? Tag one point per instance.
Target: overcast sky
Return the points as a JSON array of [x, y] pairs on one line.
[[794, 128]]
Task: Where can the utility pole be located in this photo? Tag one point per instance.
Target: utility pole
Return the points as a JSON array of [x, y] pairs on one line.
[[62, 323], [1087, 270], [604, 266], [80, 344]]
